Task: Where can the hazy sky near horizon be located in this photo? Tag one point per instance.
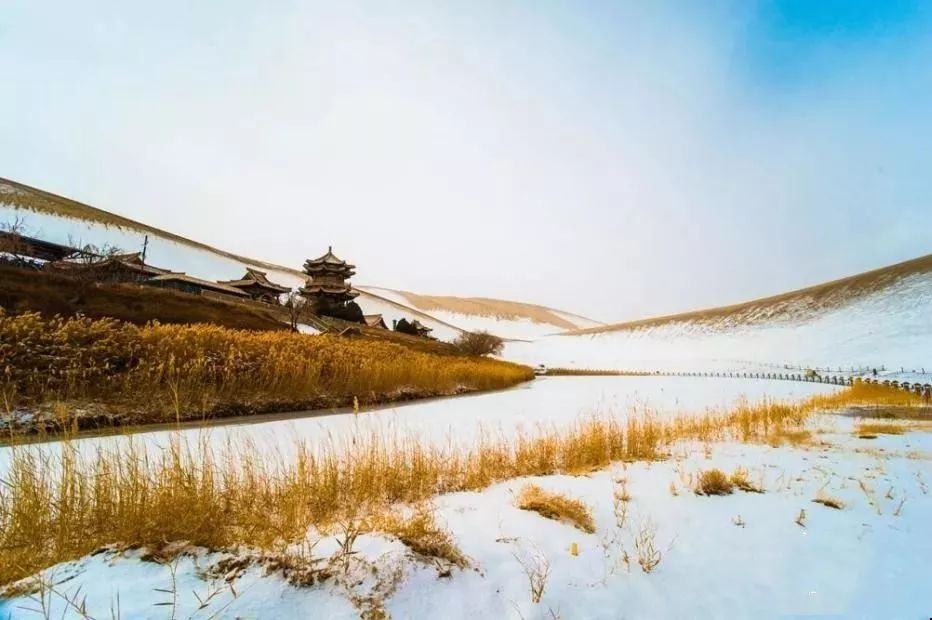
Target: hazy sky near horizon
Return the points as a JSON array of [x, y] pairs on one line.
[[615, 159]]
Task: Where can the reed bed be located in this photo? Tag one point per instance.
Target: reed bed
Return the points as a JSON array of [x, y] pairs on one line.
[[162, 372], [58, 505]]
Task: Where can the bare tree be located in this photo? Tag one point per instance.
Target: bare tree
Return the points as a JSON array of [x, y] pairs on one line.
[[83, 266], [298, 309], [478, 343], [12, 246]]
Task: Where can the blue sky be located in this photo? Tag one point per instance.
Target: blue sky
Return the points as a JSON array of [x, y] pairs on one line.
[[616, 159]]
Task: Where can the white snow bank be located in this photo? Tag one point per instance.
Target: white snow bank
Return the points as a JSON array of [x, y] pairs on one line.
[[737, 556]]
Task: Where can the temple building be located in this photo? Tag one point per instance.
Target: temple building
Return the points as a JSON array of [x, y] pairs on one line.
[[328, 287], [196, 286], [375, 320], [256, 284], [22, 247], [129, 267]]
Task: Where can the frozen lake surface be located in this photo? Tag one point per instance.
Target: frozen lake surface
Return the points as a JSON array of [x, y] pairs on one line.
[[548, 402]]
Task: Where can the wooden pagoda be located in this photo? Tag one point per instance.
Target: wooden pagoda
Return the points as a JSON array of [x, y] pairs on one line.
[[328, 287]]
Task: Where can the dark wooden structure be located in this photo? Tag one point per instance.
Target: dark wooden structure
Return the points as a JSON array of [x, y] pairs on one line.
[[257, 286], [117, 268], [196, 286], [414, 328], [421, 330], [328, 288], [22, 246]]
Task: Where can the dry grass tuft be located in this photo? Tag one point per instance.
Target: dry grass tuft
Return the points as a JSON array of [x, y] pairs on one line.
[[801, 518], [829, 501], [714, 482], [795, 437], [739, 478], [420, 533], [645, 547], [870, 430], [557, 507]]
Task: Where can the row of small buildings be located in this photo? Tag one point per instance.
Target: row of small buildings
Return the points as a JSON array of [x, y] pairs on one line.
[[327, 281]]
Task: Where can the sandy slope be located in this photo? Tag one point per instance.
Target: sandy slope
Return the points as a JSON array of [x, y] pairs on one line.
[[509, 319], [888, 328]]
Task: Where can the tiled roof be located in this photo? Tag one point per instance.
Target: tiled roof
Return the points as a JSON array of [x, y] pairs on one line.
[[183, 277], [374, 320], [254, 276]]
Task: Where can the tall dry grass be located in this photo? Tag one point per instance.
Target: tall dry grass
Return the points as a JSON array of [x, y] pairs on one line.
[[60, 505], [157, 372]]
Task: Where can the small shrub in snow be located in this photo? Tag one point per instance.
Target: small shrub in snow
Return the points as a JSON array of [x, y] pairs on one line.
[[871, 430], [420, 533], [557, 507], [801, 518], [714, 482], [645, 547], [536, 567], [829, 501], [740, 479]]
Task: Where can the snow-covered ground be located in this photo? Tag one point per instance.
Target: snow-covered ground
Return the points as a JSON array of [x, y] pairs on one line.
[[745, 555]]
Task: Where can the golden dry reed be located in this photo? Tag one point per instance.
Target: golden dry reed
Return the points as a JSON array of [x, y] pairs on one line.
[[57, 504], [158, 372], [557, 507]]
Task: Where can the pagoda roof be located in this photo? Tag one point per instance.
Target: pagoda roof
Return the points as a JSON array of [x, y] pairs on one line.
[[329, 259], [254, 277], [333, 289], [420, 326]]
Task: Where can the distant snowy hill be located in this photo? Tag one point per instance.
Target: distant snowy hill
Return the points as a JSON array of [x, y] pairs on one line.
[[62, 220], [878, 319], [508, 319]]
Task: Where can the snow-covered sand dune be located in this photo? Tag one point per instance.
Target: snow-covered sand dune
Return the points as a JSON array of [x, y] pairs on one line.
[[890, 329], [508, 319]]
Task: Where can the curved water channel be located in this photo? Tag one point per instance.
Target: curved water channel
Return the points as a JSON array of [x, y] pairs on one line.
[[547, 402]]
